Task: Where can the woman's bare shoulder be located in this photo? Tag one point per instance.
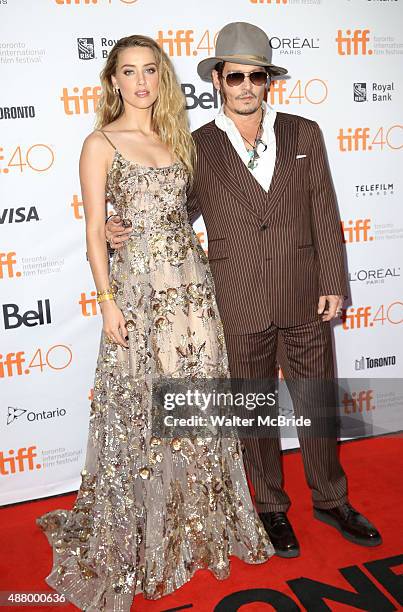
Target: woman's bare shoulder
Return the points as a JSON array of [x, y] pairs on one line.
[[95, 144]]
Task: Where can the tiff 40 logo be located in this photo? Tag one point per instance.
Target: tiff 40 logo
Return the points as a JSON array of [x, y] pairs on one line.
[[364, 139], [314, 91], [83, 2], [58, 357], [365, 317], [38, 157]]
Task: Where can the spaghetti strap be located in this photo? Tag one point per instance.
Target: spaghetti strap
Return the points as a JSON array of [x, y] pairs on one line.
[[108, 139]]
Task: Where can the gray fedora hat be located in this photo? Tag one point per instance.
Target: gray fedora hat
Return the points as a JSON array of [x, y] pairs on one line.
[[241, 43]]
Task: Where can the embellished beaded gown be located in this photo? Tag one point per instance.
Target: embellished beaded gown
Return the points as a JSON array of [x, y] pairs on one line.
[[151, 511]]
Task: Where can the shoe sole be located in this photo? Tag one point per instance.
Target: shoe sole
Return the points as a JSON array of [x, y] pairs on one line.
[[355, 540], [287, 554]]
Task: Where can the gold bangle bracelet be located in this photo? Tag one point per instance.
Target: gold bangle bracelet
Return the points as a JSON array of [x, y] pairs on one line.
[[106, 291], [105, 297]]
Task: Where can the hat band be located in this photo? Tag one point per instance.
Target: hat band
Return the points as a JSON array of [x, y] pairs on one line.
[[258, 58]]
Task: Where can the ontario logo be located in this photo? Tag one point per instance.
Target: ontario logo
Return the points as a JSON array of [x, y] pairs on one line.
[[13, 414]]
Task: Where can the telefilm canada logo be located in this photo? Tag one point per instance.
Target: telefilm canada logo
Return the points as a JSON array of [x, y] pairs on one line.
[[86, 48], [14, 414], [373, 92], [374, 189]]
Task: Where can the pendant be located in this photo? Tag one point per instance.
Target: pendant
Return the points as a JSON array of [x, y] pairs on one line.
[[254, 156]]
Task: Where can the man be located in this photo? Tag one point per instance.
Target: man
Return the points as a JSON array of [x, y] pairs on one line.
[[276, 254]]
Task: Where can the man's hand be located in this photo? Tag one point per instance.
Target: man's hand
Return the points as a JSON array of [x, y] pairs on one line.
[[334, 304], [116, 233]]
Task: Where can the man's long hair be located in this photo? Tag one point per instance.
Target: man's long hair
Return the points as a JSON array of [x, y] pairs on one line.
[[169, 117]]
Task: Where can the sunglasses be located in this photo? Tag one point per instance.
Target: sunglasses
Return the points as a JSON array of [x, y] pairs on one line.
[[234, 79]]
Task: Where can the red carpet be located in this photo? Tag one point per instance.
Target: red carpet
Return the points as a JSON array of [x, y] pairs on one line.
[[331, 573]]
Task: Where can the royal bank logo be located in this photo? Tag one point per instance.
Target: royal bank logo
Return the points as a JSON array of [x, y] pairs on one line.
[[86, 49], [360, 92], [374, 92]]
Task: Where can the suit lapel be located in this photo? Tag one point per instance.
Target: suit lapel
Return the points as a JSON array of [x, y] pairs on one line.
[[230, 169], [286, 150]]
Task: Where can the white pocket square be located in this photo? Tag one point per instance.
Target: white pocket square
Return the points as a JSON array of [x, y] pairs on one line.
[[300, 156]]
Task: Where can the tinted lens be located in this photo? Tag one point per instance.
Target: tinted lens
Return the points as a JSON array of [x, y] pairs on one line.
[[258, 77], [235, 78]]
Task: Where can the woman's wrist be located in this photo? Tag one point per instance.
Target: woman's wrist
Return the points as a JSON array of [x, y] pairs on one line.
[[105, 295]]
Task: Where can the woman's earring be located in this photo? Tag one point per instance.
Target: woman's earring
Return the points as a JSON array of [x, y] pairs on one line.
[[116, 90]]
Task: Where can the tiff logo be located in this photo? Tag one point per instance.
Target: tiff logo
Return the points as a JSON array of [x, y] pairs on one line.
[[353, 43], [76, 103], [356, 141], [356, 319], [12, 364], [176, 41], [356, 231], [357, 403], [77, 206], [8, 261], [20, 462], [88, 305]]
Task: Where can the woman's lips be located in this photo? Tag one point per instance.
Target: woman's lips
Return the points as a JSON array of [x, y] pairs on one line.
[[142, 94]]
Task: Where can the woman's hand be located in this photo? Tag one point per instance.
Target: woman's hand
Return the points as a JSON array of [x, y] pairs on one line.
[[114, 323]]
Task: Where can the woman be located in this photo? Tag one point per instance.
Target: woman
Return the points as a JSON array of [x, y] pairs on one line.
[[150, 511]]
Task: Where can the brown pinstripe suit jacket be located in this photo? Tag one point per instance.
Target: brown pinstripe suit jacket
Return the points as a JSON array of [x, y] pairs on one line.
[[271, 254]]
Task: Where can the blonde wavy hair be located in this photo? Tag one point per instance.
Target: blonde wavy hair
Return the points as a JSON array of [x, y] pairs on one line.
[[169, 117]]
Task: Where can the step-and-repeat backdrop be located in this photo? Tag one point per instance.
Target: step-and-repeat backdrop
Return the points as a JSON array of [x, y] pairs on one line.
[[344, 60]]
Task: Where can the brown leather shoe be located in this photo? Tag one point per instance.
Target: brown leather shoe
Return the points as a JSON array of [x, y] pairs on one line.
[[281, 533], [352, 525]]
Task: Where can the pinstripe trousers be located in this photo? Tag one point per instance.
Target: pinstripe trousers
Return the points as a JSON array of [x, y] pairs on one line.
[[304, 351]]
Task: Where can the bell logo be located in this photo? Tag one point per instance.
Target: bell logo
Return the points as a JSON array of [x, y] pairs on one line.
[[358, 402], [7, 263], [21, 461], [76, 103], [353, 42], [31, 318], [175, 42], [356, 231], [88, 305]]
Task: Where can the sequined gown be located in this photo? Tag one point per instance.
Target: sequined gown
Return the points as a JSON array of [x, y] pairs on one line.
[[151, 511]]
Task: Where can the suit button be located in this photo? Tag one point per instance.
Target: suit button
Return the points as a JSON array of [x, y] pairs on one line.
[[264, 226]]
